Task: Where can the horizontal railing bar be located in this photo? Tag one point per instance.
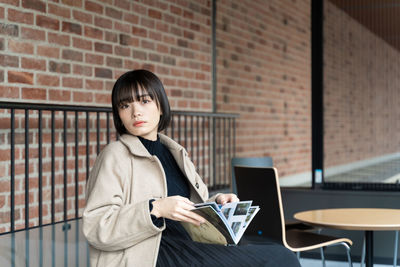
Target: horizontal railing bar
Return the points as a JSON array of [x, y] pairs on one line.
[[205, 114], [40, 226], [36, 106]]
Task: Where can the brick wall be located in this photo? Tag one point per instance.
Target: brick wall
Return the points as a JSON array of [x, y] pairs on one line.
[[361, 92], [264, 74], [71, 52]]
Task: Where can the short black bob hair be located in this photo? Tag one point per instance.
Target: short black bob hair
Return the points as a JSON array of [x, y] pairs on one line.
[[128, 88]]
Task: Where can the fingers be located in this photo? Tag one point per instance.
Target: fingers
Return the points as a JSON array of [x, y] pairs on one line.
[[177, 208], [226, 198]]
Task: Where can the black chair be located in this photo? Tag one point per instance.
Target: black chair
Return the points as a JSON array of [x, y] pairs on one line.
[[262, 186], [262, 162]]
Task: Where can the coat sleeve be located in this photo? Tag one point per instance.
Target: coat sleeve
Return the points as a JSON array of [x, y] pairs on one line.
[[109, 222]]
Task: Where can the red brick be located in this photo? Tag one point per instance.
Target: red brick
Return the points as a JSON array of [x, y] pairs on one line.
[[104, 99], [9, 29], [93, 33], [103, 73], [34, 4], [33, 34], [94, 84], [33, 64], [75, 3], [9, 92], [83, 17], [122, 51], [10, 2], [113, 13], [154, 14], [71, 27], [122, 27], [125, 39], [148, 44], [59, 67], [60, 95], [103, 48], [82, 43], [114, 62], [147, 23], [138, 9], [111, 37], [1, 76], [48, 80], [61, 39], [175, 10], [48, 51], [94, 59], [123, 4], [20, 47], [72, 55], [34, 93], [139, 31], [82, 70], [20, 77], [94, 7], [103, 22], [47, 22], [82, 97], [132, 18], [59, 11], [19, 16], [72, 82], [9, 61]]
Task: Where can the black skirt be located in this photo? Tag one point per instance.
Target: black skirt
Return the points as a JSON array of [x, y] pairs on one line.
[[178, 249]]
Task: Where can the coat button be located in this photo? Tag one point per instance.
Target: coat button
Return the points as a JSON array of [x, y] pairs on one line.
[[197, 185]]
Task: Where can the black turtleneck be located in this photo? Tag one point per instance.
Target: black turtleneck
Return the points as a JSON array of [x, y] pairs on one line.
[[177, 183]]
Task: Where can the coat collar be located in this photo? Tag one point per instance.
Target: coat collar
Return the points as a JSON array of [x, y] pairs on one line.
[[137, 148]]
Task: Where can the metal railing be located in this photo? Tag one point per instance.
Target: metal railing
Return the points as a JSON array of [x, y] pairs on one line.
[[51, 148]]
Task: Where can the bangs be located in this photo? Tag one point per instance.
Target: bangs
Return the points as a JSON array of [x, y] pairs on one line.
[[132, 92]]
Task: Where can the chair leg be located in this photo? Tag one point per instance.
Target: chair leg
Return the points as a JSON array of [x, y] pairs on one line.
[[396, 243], [363, 254], [298, 255], [348, 253], [322, 256]]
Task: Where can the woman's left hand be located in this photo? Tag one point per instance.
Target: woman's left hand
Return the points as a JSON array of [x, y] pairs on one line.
[[226, 198]]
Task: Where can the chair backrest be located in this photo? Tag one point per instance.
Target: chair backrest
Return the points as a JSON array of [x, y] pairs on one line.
[[261, 185], [250, 162]]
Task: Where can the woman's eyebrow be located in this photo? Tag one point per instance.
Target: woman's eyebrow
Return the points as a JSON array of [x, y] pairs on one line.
[[142, 96]]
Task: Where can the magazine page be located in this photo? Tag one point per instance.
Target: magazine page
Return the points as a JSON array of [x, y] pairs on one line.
[[215, 230], [225, 224], [249, 217]]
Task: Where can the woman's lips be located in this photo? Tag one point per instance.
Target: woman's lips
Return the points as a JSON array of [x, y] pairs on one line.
[[138, 123]]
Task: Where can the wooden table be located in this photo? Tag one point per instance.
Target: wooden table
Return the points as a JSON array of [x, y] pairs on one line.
[[364, 219]]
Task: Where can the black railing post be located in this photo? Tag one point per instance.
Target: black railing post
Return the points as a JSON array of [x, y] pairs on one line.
[[76, 164], [12, 181], [26, 168], [40, 169], [65, 165], [53, 212]]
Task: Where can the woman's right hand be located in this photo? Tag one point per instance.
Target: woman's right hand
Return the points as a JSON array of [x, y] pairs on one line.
[[176, 208]]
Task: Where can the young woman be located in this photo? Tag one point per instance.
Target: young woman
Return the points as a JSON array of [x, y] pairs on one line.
[[142, 185]]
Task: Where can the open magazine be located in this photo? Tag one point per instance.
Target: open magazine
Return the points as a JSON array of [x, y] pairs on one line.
[[224, 225]]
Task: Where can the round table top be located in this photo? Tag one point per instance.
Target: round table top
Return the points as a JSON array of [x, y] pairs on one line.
[[352, 218]]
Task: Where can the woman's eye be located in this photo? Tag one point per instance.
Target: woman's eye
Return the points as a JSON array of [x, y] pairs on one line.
[[146, 100], [123, 106]]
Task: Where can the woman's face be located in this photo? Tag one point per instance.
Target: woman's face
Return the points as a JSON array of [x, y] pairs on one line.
[[141, 117]]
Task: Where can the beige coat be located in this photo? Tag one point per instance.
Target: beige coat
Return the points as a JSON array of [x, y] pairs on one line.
[[116, 219]]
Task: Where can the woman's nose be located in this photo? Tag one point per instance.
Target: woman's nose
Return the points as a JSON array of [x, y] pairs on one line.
[[136, 110]]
